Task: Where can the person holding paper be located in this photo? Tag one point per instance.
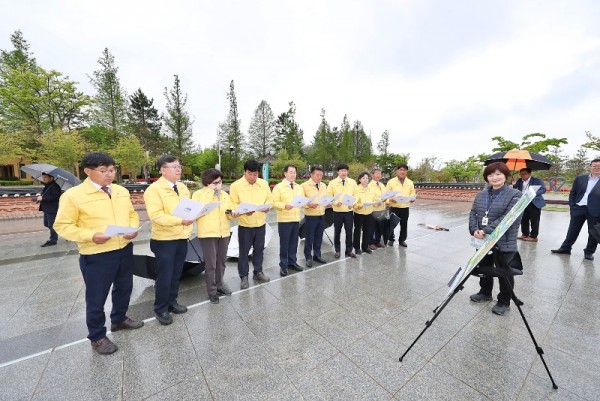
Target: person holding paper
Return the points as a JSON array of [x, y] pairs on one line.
[[342, 214], [169, 236], [84, 212], [314, 216], [363, 219], [288, 220], [406, 188], [251, 229], [377, 189], [489, 208], [214, 233]]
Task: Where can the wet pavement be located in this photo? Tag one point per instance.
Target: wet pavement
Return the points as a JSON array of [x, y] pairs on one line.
[[334, 331]]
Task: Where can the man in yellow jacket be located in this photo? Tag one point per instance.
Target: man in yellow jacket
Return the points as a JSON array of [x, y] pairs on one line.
[[406, 188], [314, 216], [252, 226], [169, 236], [377, 188], [342, 214], [288, 220], [83, 215]]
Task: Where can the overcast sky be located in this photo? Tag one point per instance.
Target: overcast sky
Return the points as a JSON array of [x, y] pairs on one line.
[[442, 76]]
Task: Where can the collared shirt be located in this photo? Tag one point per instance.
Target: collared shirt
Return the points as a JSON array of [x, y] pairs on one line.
[[283, 193], [590, 185], [216, 223], [406, 189], [363, 195], [335, 187], [310, 189], [161, 200], [526, 184], [377, 188]]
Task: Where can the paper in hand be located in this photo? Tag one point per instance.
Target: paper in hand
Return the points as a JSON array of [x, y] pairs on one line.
[[189, 209], [300, 201], [388, 195], [113, 231], [348, 200]]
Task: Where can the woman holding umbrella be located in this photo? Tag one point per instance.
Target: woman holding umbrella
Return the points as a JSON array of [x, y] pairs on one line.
[[489, 208]]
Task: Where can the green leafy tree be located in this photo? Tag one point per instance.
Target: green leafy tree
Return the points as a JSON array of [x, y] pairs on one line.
[[10, 145], [578, 164], [425, 170], [346, 144], [324, 150], [389, 163], [463, 170], [529, 142], [288, 135], [593, 141], [178, 121], [110, 101], [284, 158], [62, 148], [361, 144], [261, 133], [129, 154], [203, 160], [230, 136]]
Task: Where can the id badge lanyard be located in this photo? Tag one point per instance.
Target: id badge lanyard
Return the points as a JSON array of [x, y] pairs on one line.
[[488, 205]]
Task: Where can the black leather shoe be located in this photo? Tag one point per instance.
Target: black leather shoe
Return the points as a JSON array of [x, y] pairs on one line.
[[224, 291], [350, 254], [296, 266], [164, 318], [214, 299], [283, 272], [48, 243], [561, 251], [178, 309], [309, 263], [319, 259], [358, 252], [588, 256], [403, 243], [367, 250], [337, 255], [127, 324], [390, 243]]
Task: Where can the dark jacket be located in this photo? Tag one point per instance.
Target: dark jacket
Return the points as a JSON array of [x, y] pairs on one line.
[[503, 200], [50, 196], [538, 201], [578, 190]]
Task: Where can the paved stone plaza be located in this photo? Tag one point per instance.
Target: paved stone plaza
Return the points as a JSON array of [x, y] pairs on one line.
[[333, 332]]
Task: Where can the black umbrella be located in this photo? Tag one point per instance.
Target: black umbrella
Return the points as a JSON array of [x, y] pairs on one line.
[[145, 265], [517, 159], [63, 178], [392, 223]]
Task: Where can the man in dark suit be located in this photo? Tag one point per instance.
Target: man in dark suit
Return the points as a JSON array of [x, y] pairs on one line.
[[584, 200], [48, 201], [533, 212]]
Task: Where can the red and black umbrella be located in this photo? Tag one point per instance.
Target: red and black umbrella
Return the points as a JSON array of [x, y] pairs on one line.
[[517, 159]]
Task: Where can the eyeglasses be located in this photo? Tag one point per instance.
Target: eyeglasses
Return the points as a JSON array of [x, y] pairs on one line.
[[595, 165], [105, 172], [175, 167], [216, 182]]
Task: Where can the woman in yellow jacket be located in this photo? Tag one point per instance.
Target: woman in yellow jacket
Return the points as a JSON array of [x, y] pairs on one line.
[[214, 232], [363, 219]]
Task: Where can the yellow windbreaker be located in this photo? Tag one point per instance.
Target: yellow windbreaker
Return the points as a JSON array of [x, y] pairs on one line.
[[335, 187], [363, 195], [85, 210], [258, 193], [282, 195], [216, 223], [407, 189], [377, 190], [310, 189], [161, 199]]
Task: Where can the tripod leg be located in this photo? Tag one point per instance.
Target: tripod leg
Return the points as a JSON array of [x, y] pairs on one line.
[[538, 349], [437, 312]]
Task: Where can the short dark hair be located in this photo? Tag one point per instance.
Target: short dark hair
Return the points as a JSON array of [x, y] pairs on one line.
[[361, 175], [316, 168], [209, 175], [251, 165], [501, 167], [594, 161], [97, 159], [165, 159], [376, 169], [526, 169], [287, 166], [342, 166], [402, 165]]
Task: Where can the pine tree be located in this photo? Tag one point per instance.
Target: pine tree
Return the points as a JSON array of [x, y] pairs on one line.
[[261, 133], [325, 149], [145, 122], [288, 135], [230, 136], [178, 120], [361, 143], [110, 102]]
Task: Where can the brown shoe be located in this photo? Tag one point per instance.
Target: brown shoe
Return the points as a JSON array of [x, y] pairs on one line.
[[373, 247], [530, 239], [380, 245], [104, 346], [523, 237], [127, 324]]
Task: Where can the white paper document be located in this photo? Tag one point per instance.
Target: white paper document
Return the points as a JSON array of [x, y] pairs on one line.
[[328, 199], [388, 195], [189, 209], [367, 204], [244, 208], [405, 199], [300, 201], [348, 200], [113, 231]]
